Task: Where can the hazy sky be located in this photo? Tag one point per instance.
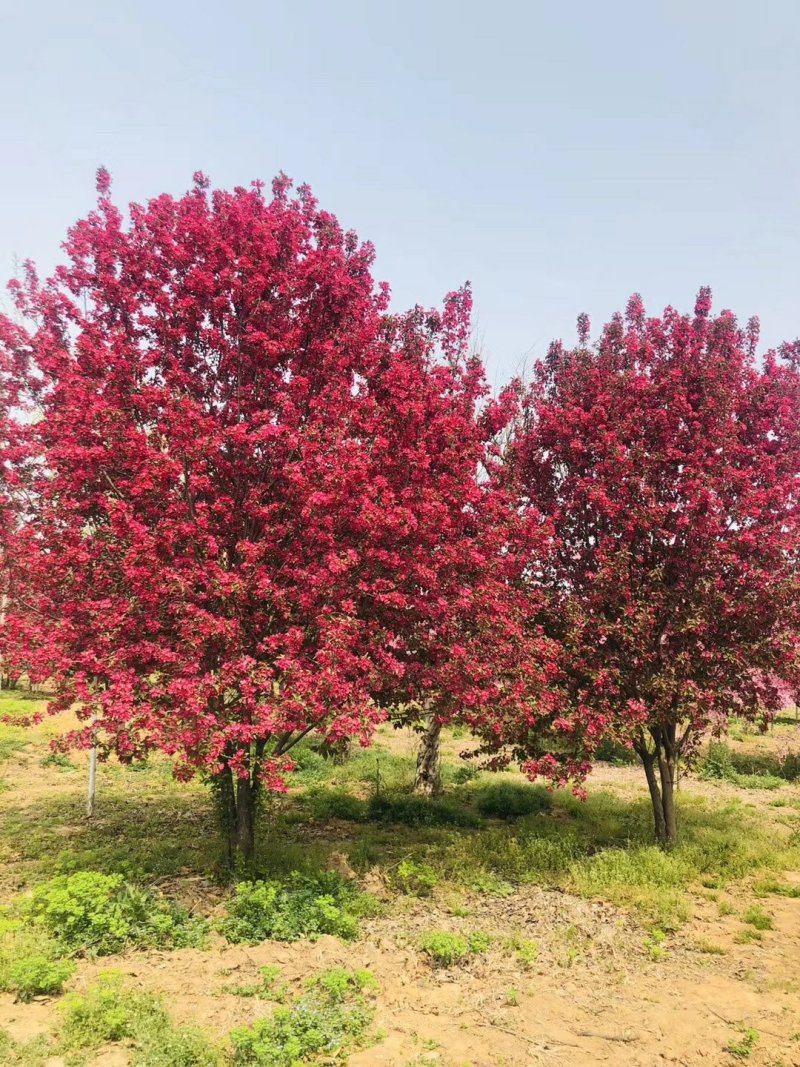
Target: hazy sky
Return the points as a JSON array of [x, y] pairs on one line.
[[558, 155]]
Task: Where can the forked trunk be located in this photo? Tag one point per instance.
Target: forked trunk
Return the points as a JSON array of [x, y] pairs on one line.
[[237, 800], [428, 775], [661, 785]]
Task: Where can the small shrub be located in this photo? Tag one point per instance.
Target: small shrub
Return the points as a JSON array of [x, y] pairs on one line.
[[29, 961], [417, 879], [445, 949], [488, 882], [718, 762], [58, 759], [465, 773], [748, 772], [329, 1019], [508, 800], [103, 913], [33, 976], [611, 751], [304, 906], [654, 944]]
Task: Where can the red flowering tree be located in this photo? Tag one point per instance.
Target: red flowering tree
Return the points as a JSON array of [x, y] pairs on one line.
[[247, 499], [667, 458]]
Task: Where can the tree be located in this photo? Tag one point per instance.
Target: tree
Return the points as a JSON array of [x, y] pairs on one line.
[[668, 461], [239, 504]]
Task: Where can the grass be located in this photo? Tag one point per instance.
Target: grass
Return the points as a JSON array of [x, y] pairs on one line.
[[486, 835], [758, 918]]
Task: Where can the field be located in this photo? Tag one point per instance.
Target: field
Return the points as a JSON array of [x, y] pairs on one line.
[[500, 925]]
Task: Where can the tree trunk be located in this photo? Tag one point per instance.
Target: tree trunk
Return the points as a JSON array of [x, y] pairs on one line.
[[666, 766], [662, 795], [428, 776], [237, 800]]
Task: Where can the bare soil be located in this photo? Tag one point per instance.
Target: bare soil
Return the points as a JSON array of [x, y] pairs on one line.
[[595, 993]]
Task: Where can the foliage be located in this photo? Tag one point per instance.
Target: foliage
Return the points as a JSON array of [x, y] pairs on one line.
[[391, 806], [747, 771], [108, 1012], [329, 1019], [33, 976], [444, 949], [30, 962], [103, 914], [304, 906], [743, 1049], [666, 457], [416, 810], [526, 951], [419, 879]]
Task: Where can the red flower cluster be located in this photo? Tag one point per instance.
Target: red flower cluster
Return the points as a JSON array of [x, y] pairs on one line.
[[243, 499], [668, 461]]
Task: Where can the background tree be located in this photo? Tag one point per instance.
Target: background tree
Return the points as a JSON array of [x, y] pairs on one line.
[[238, 503], [667, 459]]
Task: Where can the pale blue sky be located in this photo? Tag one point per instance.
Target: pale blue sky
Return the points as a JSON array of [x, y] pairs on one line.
[[559, 155]]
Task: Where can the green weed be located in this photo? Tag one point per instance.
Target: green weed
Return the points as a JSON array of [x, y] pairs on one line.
[[743, 1049], [104, 914], [109, 1013], [445, 949], [417, 879], [303, 906], [331, 1018]]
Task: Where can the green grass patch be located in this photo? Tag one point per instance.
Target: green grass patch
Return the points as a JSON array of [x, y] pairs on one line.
[[758, 918], [269, 986]]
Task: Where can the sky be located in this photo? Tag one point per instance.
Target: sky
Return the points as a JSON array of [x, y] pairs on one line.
[[560, 156]]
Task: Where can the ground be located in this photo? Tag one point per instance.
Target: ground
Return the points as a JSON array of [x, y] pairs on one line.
[[600, 947]]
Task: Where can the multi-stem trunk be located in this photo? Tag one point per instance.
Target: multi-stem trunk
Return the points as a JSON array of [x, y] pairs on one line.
[[659, 758], [238, 805], [428, 776]]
